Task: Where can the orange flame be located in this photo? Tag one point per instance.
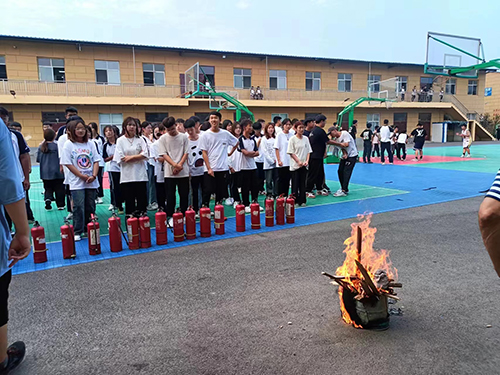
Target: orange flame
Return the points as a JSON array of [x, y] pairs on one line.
[[373, 260]]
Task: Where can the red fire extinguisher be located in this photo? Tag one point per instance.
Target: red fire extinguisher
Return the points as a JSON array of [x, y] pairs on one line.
[[68, 240], [205, 222], [115, 239], [219, 219], [190, 224], [161, 227], [255, 215], [280, 211], [133, 233], [240, 218], [269, 212], [94, 234], [39, 248], [144, 231], [178, 219], [290, 209]]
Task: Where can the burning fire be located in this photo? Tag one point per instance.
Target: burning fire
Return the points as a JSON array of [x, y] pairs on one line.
[[366, 273]]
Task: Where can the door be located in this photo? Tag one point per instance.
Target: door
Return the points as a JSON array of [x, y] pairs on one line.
[[400, 120], [425, 120]]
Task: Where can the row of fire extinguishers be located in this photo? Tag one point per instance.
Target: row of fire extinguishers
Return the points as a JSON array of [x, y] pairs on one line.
[[139, 227]]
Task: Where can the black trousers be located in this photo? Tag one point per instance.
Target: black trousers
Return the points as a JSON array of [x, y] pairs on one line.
[[4, 297], [69, 207], [182, 185], [376, 150], [284, 177], [161, 196], [234, 184], [214, 185], [249, 183], [346, 167], [316, 175], [261, 176], [56, 187], [116, 191], [135, 195], [196, 186], [100, 190], [367, 150], [386, 146], [401, 151], [299, 185]]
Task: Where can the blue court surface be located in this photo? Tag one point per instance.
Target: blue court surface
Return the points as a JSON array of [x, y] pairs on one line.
[[398, 187]]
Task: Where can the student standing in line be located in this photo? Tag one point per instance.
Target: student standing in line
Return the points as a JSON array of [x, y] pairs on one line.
[[394, 139], [50, 173], [348, 161], [81, 157], [401, 146], [173, 148], [385, 142], [278, 128], [234, 160], [376, 142], [419, 135], [299, 150], [367, 137], [69, 112], [309, 124], [147, 134], [259, 159], [158, 131], [131, 152], [227, 123], [466, 140], [196, 164], [214, 143], [247, 146], [197, 123], [99, 141], [108, 152], [316, 176], [179, 123], [283, 159], [267, 150], [354, 129]]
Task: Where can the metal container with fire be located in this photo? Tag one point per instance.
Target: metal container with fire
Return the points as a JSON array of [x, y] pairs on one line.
[[366, 280]]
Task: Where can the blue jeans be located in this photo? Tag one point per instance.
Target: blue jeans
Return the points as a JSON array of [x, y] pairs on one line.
[[151, 184], [83, 207]]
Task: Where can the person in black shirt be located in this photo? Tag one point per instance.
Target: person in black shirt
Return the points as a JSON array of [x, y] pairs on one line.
[[419, 135], [367, 137], [309, 124], [353, 130], [70, 111]]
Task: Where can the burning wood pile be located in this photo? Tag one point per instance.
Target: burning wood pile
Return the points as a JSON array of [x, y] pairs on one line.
[[366, 279]]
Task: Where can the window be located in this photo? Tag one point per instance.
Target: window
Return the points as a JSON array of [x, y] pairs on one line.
[[107, 72], [373, 83], [54, 117], [51, 70], [277, 79], [311, 115], [313, 81], [154, 74], [242, 78], [110, 119], [207, 73], [282, 115], [472, 88], [156, 117], [203, 116], [344, 82], [426, 82], [400, 120], [402, 83], [244, 116], [3, 68], [373, 118], [451, 86]]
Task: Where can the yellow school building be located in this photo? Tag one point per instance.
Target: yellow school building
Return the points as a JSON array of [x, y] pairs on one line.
[[108, 82]]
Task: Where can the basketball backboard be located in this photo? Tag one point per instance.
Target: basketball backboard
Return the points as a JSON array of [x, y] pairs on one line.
[[445, 52], [192, 80], [387, 89]]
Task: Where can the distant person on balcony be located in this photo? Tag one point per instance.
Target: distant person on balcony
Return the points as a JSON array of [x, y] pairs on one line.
[[277, 125], [385, 142], [430, 94], [403, 94], [441, 95], [258, 94], [419, 135], [252, 93], [466, 141], [70, 111], [414, 93]]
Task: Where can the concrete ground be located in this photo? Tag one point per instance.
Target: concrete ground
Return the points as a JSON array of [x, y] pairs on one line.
[[218, 308]]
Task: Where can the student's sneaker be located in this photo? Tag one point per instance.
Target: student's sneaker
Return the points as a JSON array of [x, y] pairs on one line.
[[303, 205], [15, 355], [48, 205], [229, 201], [340, 194], [462, 156], [262, 192], [370, 162], [391, 163], [414, 159], [197, 216], [171, 222], [310, 195], [235, 204], [99, 200], [152, 207], [84, 235], [120, 211], [247, 209], [78, 237], [324, 192], [70, 216], [468, 156], [111, 207], [261, 209], [31, 221], [383, 163]]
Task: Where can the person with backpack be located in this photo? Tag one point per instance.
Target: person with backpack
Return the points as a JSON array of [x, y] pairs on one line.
[[367, 137], [50, 173]]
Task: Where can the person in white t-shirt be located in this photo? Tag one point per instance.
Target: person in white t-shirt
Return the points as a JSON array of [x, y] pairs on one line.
[[112, 167], [60, 146], [385, 142], [173, 148], [247, 146], [131, 152], [161, 197], [99, 142], [348, 160], [147, 134], [401, 144], [466, 140], [234, 158], [283, 159], [195, 162], [277, 124], [267, 150], [259, 160], [299, 150], [81, 158], [214, 143]]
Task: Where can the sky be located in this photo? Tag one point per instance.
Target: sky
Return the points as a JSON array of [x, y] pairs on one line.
[[372, 30]]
